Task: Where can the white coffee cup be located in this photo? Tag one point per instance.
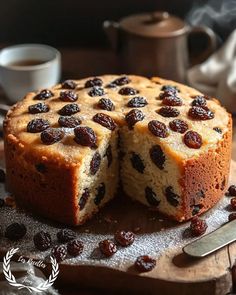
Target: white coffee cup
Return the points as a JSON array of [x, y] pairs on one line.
[[17, 80]]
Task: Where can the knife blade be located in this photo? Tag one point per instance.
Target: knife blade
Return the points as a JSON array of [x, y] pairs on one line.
[[213, 241]]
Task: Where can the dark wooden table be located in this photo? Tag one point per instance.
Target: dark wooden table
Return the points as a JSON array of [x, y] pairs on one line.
[[78, 63]]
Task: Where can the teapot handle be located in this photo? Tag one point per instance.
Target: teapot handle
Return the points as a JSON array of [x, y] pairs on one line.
[[111, 29], [211, 44]]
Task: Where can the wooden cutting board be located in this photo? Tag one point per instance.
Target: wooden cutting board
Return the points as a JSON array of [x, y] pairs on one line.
[[175, 273]]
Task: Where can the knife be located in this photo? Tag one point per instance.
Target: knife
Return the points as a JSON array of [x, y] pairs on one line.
[[213, 241]]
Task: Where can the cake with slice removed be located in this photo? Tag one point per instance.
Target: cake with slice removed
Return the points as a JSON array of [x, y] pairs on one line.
[[67, 147]]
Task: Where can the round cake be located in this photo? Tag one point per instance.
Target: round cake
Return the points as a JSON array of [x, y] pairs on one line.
[[68, 149]]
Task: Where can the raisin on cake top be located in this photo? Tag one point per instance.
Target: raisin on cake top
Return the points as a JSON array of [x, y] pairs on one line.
[[71, 117]]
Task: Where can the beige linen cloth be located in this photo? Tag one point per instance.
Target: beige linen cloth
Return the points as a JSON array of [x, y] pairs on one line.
[[217, 75]]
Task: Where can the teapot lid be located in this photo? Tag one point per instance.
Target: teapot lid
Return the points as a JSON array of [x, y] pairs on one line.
[[153, 24]]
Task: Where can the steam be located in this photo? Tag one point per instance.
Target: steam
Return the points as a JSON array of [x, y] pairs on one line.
[[217, 14]]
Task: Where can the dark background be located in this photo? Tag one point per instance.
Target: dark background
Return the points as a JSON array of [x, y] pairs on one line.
[[79, 23]]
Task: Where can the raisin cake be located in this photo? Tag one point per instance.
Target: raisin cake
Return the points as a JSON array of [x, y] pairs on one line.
[[67, 148]]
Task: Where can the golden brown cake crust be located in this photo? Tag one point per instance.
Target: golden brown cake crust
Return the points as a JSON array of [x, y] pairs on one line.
[[51, 193], [202, 186]]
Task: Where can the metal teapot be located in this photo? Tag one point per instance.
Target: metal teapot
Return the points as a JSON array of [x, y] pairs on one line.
[[155, 44]]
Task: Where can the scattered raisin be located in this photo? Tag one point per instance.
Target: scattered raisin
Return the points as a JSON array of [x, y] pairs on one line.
[[65, 235], [68, 95], [168, 112], [178, 125], [85, 136], [2, 175], [133, 117], [69, 109], [157, 156], [170, 88], [198, 226], [96, 91], [137, 102], [217, 129], [68, 121], [109, 155], [42, 240], [75, 248], [95, 163], [128, 91], [124, 238], [145, 263], [84, 198], [171, 197], [37, 125], [232, 216], [15, 231], [59, 252], [121, 81], [38, 108], [105, 121], [101, 190], [233, 203], [172, 101], [199, 101], [93, 82], [137, 163], [200, 113], [107, 247], [106, 104], [151, 197], [52, 135], [232, 190], [44, 94], [158, 128], [68, 84], [193, 140]]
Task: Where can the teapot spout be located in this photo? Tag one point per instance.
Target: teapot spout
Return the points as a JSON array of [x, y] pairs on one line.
[[111, 29]]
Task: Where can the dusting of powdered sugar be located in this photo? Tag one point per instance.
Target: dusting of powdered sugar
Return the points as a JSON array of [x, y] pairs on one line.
[[160, 236]]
